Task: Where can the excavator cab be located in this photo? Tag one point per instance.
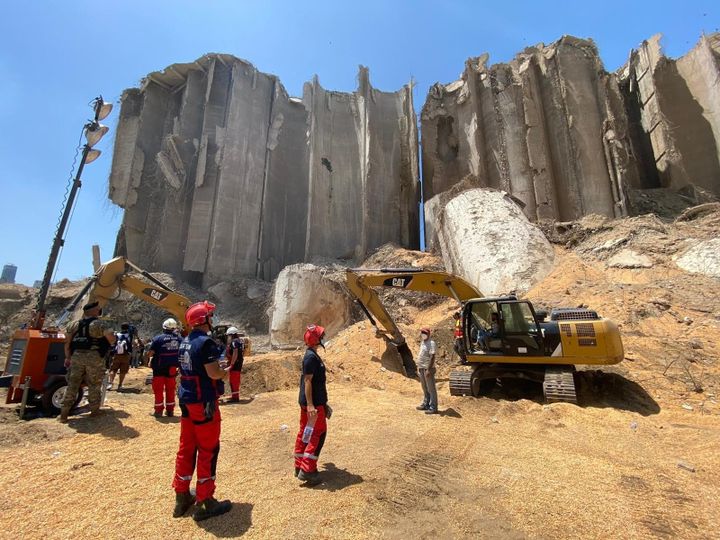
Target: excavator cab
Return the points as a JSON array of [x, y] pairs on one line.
[[502, 326]]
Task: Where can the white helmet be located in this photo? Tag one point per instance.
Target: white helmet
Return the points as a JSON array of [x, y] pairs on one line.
[[170, 324], [232, 331]]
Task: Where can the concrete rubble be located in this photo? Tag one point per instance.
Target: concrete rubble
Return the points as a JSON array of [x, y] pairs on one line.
[[486, 239], [243, 179], [567, 138], [702, 258], [305, 293], [627, 258]]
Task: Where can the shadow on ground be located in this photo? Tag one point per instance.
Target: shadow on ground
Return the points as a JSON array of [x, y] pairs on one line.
[[450, 412], [335, 479], [107, 425], [594, 388], [235, 523]]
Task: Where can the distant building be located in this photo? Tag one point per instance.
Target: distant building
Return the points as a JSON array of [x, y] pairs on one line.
[[8, 273], [37, 283]]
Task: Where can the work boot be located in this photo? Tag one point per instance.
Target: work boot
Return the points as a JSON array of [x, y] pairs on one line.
[[157, 414], [297, 471], [63, 418], [431, 411], [183, 502], [422, 407], [169, 413], [310, 478], [210, 508]]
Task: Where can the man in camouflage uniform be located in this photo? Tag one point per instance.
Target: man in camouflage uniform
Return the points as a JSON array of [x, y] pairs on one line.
[[86, 343]]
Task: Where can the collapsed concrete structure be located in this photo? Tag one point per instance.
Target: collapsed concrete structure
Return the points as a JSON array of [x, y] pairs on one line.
[[674, 108], [567, 138], [221, 173]]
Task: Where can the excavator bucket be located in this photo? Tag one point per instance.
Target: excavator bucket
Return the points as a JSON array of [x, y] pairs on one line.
[[408, 361]]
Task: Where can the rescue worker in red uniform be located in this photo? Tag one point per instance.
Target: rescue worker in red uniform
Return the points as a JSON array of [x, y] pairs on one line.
[[200, 388], [234, 355], [314, 408], [164, 362], [459, 346]]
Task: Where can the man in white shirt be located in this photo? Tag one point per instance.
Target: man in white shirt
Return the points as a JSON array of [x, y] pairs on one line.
[[426, 369]]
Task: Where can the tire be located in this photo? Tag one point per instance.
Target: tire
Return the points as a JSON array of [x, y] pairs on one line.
[[53, 396]]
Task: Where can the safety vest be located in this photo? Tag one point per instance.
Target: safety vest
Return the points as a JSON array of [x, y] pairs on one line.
[[459, 329], [83, 341], [166, 347], [196, 386]]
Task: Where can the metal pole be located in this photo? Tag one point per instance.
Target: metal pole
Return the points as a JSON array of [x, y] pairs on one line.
[[58, 242], [26, 393]]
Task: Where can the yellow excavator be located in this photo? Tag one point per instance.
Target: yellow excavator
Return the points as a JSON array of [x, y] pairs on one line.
[[503, 337], [36, 357]]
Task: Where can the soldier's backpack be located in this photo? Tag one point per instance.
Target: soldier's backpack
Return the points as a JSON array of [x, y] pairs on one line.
[[121, 345]]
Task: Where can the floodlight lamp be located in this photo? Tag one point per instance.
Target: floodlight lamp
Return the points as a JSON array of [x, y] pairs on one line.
[[102, 108], [92, 155], [94, 132]]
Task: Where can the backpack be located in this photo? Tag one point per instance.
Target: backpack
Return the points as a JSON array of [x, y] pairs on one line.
[[121, 346]]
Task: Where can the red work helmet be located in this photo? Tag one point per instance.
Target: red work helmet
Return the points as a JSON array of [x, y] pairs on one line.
[[199, 313], [425, 330], [313, 335]]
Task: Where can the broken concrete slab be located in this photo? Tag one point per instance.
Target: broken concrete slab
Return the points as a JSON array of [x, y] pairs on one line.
[[486, 239], [627, 258], [702, 258], [306, 294]]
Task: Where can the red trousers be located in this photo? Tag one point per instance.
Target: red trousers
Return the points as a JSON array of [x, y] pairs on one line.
[[164, 389], [306, 455], [199, 444], [235, 378]]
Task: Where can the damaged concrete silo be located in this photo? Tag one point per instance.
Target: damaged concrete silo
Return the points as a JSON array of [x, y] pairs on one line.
[[221, 173], [543, 127], [674, 106]]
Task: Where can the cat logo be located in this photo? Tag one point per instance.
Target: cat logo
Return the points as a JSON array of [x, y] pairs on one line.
[[155, 294], [400, 282]]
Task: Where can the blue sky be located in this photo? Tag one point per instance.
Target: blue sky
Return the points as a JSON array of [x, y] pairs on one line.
[[56, 56]]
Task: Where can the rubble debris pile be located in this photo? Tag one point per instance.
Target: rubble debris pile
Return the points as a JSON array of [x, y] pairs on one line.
[[485, 238], [569, 139], [243, 179]]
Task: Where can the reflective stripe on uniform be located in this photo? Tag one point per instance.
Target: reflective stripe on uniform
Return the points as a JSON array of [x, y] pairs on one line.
[[185, 478], [310, 456], [203, 480]]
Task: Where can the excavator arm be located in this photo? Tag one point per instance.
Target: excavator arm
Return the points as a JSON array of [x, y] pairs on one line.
[[115, 275], [361, 282]]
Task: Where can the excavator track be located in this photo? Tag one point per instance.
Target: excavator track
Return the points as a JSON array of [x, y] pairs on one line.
[[461, 383], [559, 385]]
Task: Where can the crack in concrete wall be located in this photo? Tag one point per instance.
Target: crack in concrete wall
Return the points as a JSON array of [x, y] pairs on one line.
[[221, 173]]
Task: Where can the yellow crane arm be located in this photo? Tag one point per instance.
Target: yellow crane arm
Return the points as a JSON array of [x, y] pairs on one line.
[[361, 281], [115, 275]]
